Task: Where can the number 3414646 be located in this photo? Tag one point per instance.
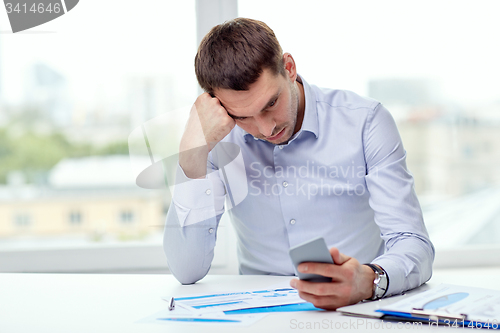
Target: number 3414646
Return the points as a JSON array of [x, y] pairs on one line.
[[34, 8]]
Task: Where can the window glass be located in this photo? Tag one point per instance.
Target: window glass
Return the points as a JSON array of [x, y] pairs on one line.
[[75, 218], [22, 220], [126, 217], [71, 92]]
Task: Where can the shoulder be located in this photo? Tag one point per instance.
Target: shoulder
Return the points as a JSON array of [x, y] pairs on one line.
[[343, 99]]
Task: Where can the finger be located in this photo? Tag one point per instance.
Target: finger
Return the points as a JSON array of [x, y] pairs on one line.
[[212, 95], [338, 258], [314, 288], [322, 302], [204, 97], [328, 270], [223, 107]]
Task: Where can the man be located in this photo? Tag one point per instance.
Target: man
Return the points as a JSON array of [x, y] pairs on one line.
[[317, 162]]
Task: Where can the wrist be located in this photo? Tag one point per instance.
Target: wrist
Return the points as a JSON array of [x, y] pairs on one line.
[[368, 285], [194, 162], [380, 283]]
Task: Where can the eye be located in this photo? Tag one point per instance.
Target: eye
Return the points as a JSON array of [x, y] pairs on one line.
[[273, 103]]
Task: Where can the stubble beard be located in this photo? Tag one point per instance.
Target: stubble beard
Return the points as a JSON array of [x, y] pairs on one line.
[[293, 112]]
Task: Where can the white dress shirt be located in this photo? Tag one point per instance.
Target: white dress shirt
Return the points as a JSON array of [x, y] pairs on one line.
[[343, 176]]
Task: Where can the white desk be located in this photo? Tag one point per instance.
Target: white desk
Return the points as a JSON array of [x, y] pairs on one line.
[[113, 303]]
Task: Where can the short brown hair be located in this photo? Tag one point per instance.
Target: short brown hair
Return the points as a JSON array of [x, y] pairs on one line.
[[234, 54]]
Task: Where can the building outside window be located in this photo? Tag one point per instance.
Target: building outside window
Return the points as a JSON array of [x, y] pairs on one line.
[[66, 113], [22, 220], [75, 218], [127, 217]]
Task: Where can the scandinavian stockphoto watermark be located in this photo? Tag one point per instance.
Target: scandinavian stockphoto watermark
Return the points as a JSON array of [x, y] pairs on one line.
[[26, 14], [308, 180]]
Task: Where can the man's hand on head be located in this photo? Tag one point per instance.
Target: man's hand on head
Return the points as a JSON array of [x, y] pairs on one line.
[[214, 119], [351, 282], [207, 125]]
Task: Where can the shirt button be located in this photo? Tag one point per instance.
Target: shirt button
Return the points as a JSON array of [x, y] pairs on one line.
[[255, 138], [285, 184], [292, 221], [281, 147], [210, 231], [207, 192]]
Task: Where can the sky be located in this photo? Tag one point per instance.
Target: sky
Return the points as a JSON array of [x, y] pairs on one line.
[[98, 44], [336, 44]]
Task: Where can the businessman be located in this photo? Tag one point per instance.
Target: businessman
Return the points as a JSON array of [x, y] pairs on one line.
[[317, 162]]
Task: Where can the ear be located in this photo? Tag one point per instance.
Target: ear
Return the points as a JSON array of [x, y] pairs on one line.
[[291, 69]]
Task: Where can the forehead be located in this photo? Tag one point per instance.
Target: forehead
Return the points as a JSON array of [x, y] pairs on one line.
[[249, 102]]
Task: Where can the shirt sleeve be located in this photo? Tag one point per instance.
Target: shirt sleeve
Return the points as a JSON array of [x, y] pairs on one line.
[[191, 225], [409, 253]]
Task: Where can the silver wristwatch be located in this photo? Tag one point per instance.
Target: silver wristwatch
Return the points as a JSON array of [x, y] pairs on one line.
[[381, 282]]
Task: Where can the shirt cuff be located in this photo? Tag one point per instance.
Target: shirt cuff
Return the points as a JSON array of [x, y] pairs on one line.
[[192, 198], [395, 276]]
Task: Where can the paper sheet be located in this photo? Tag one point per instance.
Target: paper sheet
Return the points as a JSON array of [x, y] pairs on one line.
[[479, 304], [239, 300], [208, 309], [186, 317]]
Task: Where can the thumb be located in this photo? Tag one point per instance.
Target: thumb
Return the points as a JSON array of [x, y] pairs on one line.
[[338, 258]]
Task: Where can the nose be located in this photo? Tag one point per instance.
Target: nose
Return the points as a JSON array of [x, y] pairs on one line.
[[266, 125]]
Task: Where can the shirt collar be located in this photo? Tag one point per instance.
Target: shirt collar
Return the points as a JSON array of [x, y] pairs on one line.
[[310, 121]]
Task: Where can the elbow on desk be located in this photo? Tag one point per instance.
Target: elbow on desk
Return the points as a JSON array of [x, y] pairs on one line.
[[188, 276], [185, 261], [187, 267]]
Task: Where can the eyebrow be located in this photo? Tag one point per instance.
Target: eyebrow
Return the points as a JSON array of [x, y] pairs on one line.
[[273, 98]]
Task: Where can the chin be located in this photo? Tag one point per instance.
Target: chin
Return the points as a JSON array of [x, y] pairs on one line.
[[286, 137]]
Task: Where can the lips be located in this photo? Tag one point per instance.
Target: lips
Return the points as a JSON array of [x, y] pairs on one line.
[[277, 136]]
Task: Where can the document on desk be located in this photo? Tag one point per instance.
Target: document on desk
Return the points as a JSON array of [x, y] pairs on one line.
[[184, 316], [239, 300], [456, 306], [223, 308]]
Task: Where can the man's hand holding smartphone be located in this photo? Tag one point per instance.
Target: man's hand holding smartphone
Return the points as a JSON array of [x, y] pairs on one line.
[[350, 282]]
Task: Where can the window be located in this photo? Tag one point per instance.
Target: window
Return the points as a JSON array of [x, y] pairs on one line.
[[70, 94], [68, 102], [127, 217], [75, 218], [22, 220]]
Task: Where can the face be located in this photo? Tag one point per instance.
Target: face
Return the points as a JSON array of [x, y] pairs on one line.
[[268, 110]]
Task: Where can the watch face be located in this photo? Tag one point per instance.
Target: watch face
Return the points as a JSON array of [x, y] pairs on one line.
[[382, 286], [383, 282], [380, 283]]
